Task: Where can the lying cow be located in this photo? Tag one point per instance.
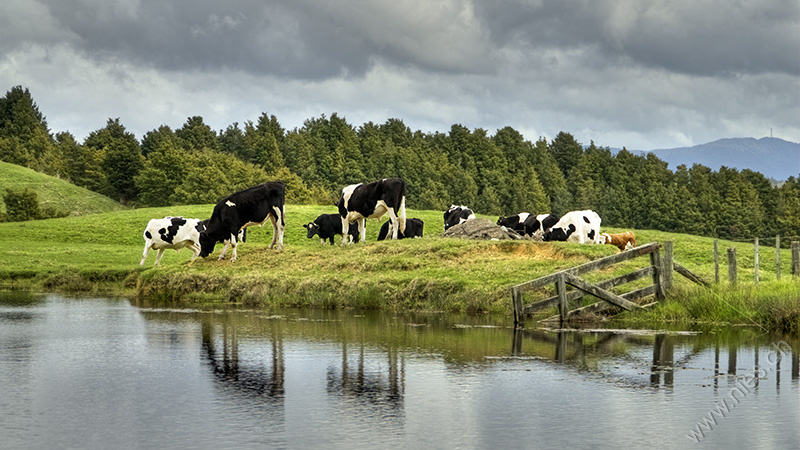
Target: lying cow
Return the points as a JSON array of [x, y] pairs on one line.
[[252, 206], [622, 241], [516, 222], [372, 201], [541, 224], [456, 215], [172, 232], [326, 226], [576, 226], [413, 229]]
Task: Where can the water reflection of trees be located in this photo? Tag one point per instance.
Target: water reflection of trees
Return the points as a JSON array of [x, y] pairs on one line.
[[588, 351]]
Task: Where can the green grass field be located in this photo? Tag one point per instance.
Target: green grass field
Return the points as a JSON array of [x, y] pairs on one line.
[[101, 253]]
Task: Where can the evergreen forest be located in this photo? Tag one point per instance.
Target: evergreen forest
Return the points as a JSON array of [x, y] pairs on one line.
[[494, 174]]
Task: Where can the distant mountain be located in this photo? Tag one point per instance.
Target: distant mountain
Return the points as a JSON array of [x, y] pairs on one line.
[[772, 157]]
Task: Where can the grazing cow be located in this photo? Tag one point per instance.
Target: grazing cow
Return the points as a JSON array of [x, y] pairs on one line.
[[576, 226], [515, 222], [326, 226], [541, 223], [456, 215], [371, 201], [252, 206], [242, 236], [413, 229], [172, 232], [622, 241]]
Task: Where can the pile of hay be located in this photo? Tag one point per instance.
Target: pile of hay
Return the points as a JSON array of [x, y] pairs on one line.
[[482, 229]]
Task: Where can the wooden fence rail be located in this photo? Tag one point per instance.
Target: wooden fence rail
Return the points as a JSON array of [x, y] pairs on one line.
[[571, 277]]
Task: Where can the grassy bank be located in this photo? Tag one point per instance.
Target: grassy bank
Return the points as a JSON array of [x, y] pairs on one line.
[[100, 253]]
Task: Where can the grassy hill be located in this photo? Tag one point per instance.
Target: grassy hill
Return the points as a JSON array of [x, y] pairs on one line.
[[53, 192]]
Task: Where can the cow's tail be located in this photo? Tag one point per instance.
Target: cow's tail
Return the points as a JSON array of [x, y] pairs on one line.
[[402, 216]]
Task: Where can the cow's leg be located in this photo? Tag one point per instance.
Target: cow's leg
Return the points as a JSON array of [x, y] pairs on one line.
[[345, 229], [277, 228], [195, 251], [158, 256], [277, 233], [234, 243], [362, 230], [322, 241], [394, 224], [146, 251]]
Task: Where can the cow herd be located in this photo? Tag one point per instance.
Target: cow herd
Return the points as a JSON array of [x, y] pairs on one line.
[[358, 202]]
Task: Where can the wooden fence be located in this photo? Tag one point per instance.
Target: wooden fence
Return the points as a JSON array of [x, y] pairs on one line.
[[733, 264], [660, 269]]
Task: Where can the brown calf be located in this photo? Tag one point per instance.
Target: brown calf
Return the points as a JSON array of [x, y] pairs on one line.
[[623, 241]]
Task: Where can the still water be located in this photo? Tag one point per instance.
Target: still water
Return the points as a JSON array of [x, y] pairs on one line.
[[103, 373]]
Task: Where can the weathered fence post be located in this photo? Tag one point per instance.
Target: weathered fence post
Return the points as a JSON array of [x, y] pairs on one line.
[[755, 261], [778, 257], [796, 258], [658, 274], [516, 299], [716, 262], [561, 291], [669, 264], [732, 265]]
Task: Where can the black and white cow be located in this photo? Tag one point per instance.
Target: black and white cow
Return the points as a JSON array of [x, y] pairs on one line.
[[172, 232], [515, 222], [456, 215], [540, 224], [371, 201], [576, 226], [413, 229], [326, 226], [252, 206]]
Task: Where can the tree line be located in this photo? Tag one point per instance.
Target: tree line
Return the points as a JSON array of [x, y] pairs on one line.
[[500, 174]]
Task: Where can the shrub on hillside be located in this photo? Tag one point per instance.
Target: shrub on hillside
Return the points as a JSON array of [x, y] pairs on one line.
[[23, 204]]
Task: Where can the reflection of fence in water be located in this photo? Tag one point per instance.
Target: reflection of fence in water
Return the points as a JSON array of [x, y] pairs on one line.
[[583, 349]]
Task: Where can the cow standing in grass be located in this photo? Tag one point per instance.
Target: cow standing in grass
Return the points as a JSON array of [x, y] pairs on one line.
[[327, 226], [371, 201], [172, 233], [252, 206]]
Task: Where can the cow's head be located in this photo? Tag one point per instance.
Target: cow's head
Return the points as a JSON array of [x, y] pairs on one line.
[[558, 234], [206, 244], [312, 229]]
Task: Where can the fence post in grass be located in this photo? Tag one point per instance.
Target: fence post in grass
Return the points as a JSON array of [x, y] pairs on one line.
[[716, 262], [669, 266], [796, 258], [778, 257], [755, 261], [732, 265], [561, 290]]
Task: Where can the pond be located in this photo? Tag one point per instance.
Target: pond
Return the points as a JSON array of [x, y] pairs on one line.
[[105, 373]]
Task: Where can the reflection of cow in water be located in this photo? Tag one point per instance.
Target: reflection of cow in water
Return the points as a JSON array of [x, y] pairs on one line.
[[255, 377], [368, 381]]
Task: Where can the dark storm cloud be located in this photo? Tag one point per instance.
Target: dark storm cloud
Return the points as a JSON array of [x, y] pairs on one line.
[[622, 72], [298, 39], [694, 37]]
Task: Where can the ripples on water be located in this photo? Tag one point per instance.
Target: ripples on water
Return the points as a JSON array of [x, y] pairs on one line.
[[101, 373]]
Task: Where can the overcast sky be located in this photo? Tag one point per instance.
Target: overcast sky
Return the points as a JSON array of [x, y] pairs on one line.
[[633, 73]]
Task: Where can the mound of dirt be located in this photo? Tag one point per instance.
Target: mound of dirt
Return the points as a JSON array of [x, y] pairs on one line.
[[482, 229]]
